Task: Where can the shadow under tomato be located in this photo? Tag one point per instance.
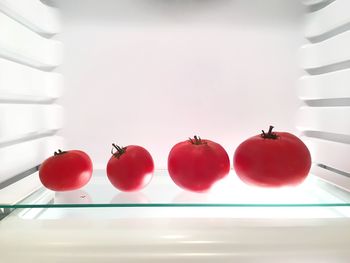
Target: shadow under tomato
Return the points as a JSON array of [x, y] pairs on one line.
[[130, 198], [191, 197]]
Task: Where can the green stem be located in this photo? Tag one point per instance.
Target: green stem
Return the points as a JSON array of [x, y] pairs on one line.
[[269, 134], [119, 152], [59, 152], [196, 140]]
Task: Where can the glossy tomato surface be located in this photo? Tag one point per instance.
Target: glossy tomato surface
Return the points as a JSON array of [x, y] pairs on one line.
[[281, 160], [130, 168], [66, 171], [196, 164]]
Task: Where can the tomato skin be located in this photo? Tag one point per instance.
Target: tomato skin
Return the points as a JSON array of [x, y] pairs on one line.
[[132, 171], [284, 161], [197, 167], [66, 171]]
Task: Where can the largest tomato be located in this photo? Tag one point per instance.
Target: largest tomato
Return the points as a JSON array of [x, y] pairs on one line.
[[197, 164], [66, 170], [272, 159]]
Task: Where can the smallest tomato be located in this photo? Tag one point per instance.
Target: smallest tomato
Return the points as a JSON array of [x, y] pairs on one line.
[[66, 170], [130, 168]]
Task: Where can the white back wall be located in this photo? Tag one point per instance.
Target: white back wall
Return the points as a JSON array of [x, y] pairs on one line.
[[154, 72]]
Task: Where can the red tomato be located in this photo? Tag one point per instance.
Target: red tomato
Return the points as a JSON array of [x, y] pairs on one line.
[[66, 170], [130, 168], [197, 164], [272, 159]]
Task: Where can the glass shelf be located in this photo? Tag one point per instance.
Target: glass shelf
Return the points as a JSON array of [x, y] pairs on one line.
[[162, 192]]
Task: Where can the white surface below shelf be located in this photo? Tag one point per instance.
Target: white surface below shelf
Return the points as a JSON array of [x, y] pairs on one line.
[[176, 240], [177, 234]]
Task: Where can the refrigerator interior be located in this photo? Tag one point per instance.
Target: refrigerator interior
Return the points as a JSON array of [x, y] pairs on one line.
[[83, 74], [155, 72]]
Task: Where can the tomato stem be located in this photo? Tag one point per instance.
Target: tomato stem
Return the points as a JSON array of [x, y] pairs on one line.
[[269, 134], [197, 140], [59, 152], [119, 152]]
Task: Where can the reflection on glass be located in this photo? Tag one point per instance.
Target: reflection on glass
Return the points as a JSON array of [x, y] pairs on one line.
[[130, 198], [73, 197], [229, 192], [190, 197]]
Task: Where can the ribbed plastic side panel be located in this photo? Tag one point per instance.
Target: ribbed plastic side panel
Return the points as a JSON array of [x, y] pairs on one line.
[[329, 153], [29, 117], [328, 21], [325, 121], [33, 14], [333, 85], [18, 121], [327, 55], [20, 83], [19, 43]]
